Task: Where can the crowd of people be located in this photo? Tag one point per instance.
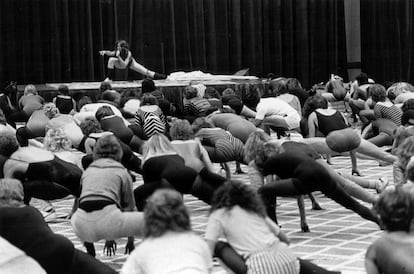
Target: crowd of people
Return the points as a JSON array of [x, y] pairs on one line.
[[95, 150]]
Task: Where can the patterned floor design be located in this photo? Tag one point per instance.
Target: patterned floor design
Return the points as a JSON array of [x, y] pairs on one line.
[[338, 239]]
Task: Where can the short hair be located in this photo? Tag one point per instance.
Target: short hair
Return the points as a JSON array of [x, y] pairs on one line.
[[165, 211], [190, 92], [103, 111], [293, 83], [107, 147], [362, 78], [278, 86], [84, 101], [111, 96], [11, 192], [56, 140], [8, 143], [90, 125], [30, 89], [236, 193], [147, 85], [408, 105], [312, 103], [211, 93], [377, 92], [201, 122], [395, 208], [63, 89], [228, 92], [148, 99], [50, 110], [104, 86], [181, 130], [252, 97]]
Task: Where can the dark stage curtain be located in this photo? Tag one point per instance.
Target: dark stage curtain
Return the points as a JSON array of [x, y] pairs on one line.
[[387, 35], [58, 40]]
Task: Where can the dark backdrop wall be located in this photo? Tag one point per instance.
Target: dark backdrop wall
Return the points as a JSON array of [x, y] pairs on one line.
[[387, 39], [58, 40]]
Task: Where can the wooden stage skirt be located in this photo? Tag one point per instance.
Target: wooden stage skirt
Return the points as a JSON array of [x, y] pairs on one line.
[[172, 89]]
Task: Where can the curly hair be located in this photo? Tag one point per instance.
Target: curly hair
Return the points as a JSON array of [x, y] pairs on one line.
[[103, 111], [56, 140], [51, 111], [11, 192], [405, 151], [8, 143], [211, 93], [399, 135], [236, 193], [395, 208], [378, 93], [181, 130], [259, 147], [90, 125], [107, 147], [165, 211], [148, 99]]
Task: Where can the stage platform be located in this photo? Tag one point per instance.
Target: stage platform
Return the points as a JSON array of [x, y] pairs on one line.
[[172, 89]]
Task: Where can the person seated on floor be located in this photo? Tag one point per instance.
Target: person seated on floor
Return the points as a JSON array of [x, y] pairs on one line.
[[28, 103], [106, 204], [393, 251], [131, 135], [92, 131], [169, 245], [230, 99], [258, 246], [24, 227], [64, 101]]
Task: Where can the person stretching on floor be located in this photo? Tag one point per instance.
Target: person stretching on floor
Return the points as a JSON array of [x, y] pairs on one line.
[[121, 58]]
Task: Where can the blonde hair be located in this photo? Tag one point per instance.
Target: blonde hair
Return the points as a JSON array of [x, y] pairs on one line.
[[11, 192], [158, 144], [30, 89], [51, 111], [56, 140], [258, 148]]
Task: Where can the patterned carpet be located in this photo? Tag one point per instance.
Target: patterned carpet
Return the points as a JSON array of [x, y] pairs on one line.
[[338, 239]]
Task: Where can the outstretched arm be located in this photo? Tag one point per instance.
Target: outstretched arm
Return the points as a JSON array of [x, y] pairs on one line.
[[107, 52]]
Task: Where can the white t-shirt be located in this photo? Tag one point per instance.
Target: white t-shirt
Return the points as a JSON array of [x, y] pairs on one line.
[[174, 252], [256, 233], [273, 106]]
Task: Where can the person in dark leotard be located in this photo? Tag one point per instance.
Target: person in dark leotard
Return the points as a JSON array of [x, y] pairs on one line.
[[163, 167], [64, 101], [44, 175], [110, 122], [24, 227], [121, 58], [333, 125]]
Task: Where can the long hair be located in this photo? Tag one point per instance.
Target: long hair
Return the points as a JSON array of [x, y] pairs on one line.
[[259, 146], [50, 110], [165, 211], [405, 151], [236, 193], [156, 145]]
